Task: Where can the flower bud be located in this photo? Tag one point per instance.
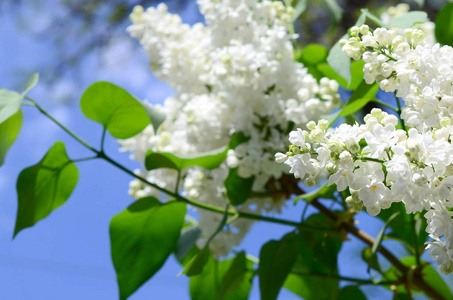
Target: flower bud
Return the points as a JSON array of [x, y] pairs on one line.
[[352, 146], [323, 124], [280, 157], [335, 146], [331, 167], [311, 125]]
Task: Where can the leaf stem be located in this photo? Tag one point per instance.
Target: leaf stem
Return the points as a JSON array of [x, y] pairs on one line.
[[103, 138], [84, 159], [415, 241], [43, 111], [365, 158], [386, 105], [346, 278], [399, 111]]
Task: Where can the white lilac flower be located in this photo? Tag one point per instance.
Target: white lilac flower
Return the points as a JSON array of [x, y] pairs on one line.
[[234, 74]]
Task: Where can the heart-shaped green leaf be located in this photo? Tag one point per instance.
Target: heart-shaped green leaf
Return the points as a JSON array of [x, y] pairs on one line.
[[117, 110], [44, 187], [142, 237]]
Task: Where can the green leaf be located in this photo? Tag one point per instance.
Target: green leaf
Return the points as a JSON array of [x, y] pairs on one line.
[[328, 72], [44, 187], [335, 10], [117, 110], [198, 262], [378, 240], [237, 139], [317, 255], [217, 282], [444, 25], [276, 261], [314, 54], [196, 265], [323, 191], [311, 56], [156, 116], [9, 104], [371, 17], [31, 83], [207, 160], [362, 95], [339, 62], [429, 274], [371, 260], [401, 226], [356, 75], [237, 277], [351, 292], [299, 9], [9, 130], [186, 241], [238, 188], [142, 237], [408, 19], [401, 296]]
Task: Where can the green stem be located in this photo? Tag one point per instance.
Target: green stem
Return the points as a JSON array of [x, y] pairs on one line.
[[415, 241], [177, 182], [386, 105], [102, 155], [35, 104], [398, 103], [364, 158], [103, 139], [207, 206], [304, 212], [356, 280], [84, 159]]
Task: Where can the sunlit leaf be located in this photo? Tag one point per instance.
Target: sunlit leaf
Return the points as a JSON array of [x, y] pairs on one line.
[[114, 108], [9, 104], [142, 237], [362, 95], [31, 83], [9, 130], [207, 160], [44, 187]]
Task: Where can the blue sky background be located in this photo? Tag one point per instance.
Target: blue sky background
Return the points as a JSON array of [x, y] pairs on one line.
[[67, 255]]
